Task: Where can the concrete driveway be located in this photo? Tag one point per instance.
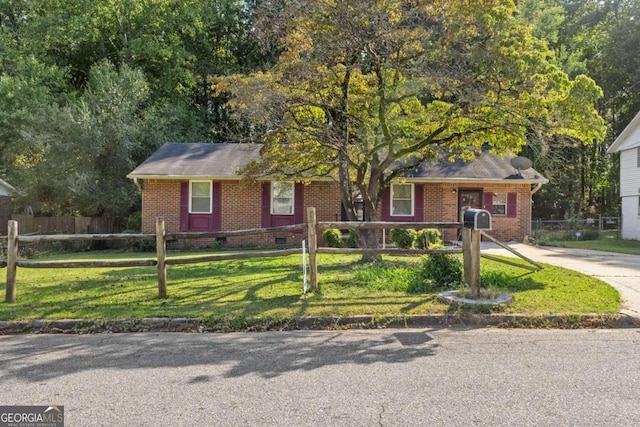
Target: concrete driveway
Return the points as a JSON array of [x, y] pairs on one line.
[[619, 270]]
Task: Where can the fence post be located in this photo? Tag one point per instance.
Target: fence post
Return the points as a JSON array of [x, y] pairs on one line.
[[471, 259], [161, 254], [313, 246], [12, 258]]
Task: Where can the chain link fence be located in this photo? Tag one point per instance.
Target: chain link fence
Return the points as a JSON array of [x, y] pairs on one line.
[[576, 228]]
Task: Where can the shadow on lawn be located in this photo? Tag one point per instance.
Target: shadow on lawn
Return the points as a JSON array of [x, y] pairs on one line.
[[242, 288], [265, 354]]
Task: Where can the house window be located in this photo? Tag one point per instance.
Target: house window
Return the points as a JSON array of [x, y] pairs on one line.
[[638, 157], [282, 195], [402, 199], [499, 204], [200, 197]]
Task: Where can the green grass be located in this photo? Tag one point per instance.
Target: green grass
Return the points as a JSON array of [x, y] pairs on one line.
[[272, 287], [609, 243]]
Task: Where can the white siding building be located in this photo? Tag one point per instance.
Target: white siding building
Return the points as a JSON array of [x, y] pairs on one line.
[[628, 145], [6, 191]]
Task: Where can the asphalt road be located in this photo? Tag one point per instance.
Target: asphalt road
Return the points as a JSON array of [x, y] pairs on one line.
[[403, 377]]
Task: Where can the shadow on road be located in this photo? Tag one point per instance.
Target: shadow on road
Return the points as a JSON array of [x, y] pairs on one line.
[[33, 358]]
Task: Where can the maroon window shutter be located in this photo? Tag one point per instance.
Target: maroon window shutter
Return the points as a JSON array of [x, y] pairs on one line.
[[298, 203], [386, 205], [419, 203], [487, 202], [266, 204], [512, 205], [216, 207], [184, 206]]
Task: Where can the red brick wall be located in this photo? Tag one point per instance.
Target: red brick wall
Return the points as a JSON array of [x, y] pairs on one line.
[[441, 204], [160, 198], [516, 228], [241, 209]]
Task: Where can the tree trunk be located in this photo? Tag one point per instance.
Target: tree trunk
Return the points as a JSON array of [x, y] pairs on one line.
[[369, 238]]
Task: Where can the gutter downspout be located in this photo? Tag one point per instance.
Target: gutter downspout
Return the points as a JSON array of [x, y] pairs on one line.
[[534, 191], [135, 181]]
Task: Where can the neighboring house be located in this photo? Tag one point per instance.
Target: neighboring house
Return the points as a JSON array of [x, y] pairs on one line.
[[6, 192], [628, 145], [195, 187]]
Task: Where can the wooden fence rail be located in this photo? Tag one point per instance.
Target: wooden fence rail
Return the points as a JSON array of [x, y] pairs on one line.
[[161, 261]]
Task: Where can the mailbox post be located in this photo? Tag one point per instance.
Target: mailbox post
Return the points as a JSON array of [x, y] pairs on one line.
[[473, 222]]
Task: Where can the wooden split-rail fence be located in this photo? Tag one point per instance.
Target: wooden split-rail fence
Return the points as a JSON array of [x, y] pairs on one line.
[[471, 248]]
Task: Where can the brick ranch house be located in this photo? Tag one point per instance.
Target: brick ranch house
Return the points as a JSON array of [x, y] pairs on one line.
[[195, 187]]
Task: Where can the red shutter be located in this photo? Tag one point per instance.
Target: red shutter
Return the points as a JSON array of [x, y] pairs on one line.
[[512, 205], [298, 204], [266, 204], [419, 203], [216, 207], [386, 205], [487, 202], [184, 206]]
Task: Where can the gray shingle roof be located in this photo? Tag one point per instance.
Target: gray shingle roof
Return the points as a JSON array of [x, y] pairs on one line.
[[222, 161], [485, 167], [6, 188], [188, 160]]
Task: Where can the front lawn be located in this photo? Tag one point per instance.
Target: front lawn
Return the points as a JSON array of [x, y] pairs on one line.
[[609, 242], [272, 287], [631, 247]]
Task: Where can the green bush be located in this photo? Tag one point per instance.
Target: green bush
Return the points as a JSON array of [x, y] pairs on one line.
[[403, 238], [134, 245], [332, 238], [351, 240], [429, 238], [134, 222], [134, 226], [445, 270]]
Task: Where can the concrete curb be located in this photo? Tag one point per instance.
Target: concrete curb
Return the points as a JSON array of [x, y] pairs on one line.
[[163, 324]]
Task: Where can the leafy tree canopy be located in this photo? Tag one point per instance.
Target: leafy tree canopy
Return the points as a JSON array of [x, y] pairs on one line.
[[364, 90]]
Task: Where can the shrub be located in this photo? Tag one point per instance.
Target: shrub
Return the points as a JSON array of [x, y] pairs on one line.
[[134, 245], [429, 238], [332, 238], [443, 269], [134, 226], [403, 237], [134, 222], [351, 240]]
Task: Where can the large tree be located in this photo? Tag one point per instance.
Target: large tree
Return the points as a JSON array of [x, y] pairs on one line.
[[74, 158], [600, 39], [89, 88], [365, 90]]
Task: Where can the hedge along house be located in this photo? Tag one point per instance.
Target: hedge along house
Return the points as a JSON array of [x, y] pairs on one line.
[[6, 193], [196, 187]]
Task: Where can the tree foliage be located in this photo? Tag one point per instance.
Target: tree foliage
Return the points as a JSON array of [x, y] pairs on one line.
[[600, 39], [90, 88], [101, 133], [364, 91], [369, 86]]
